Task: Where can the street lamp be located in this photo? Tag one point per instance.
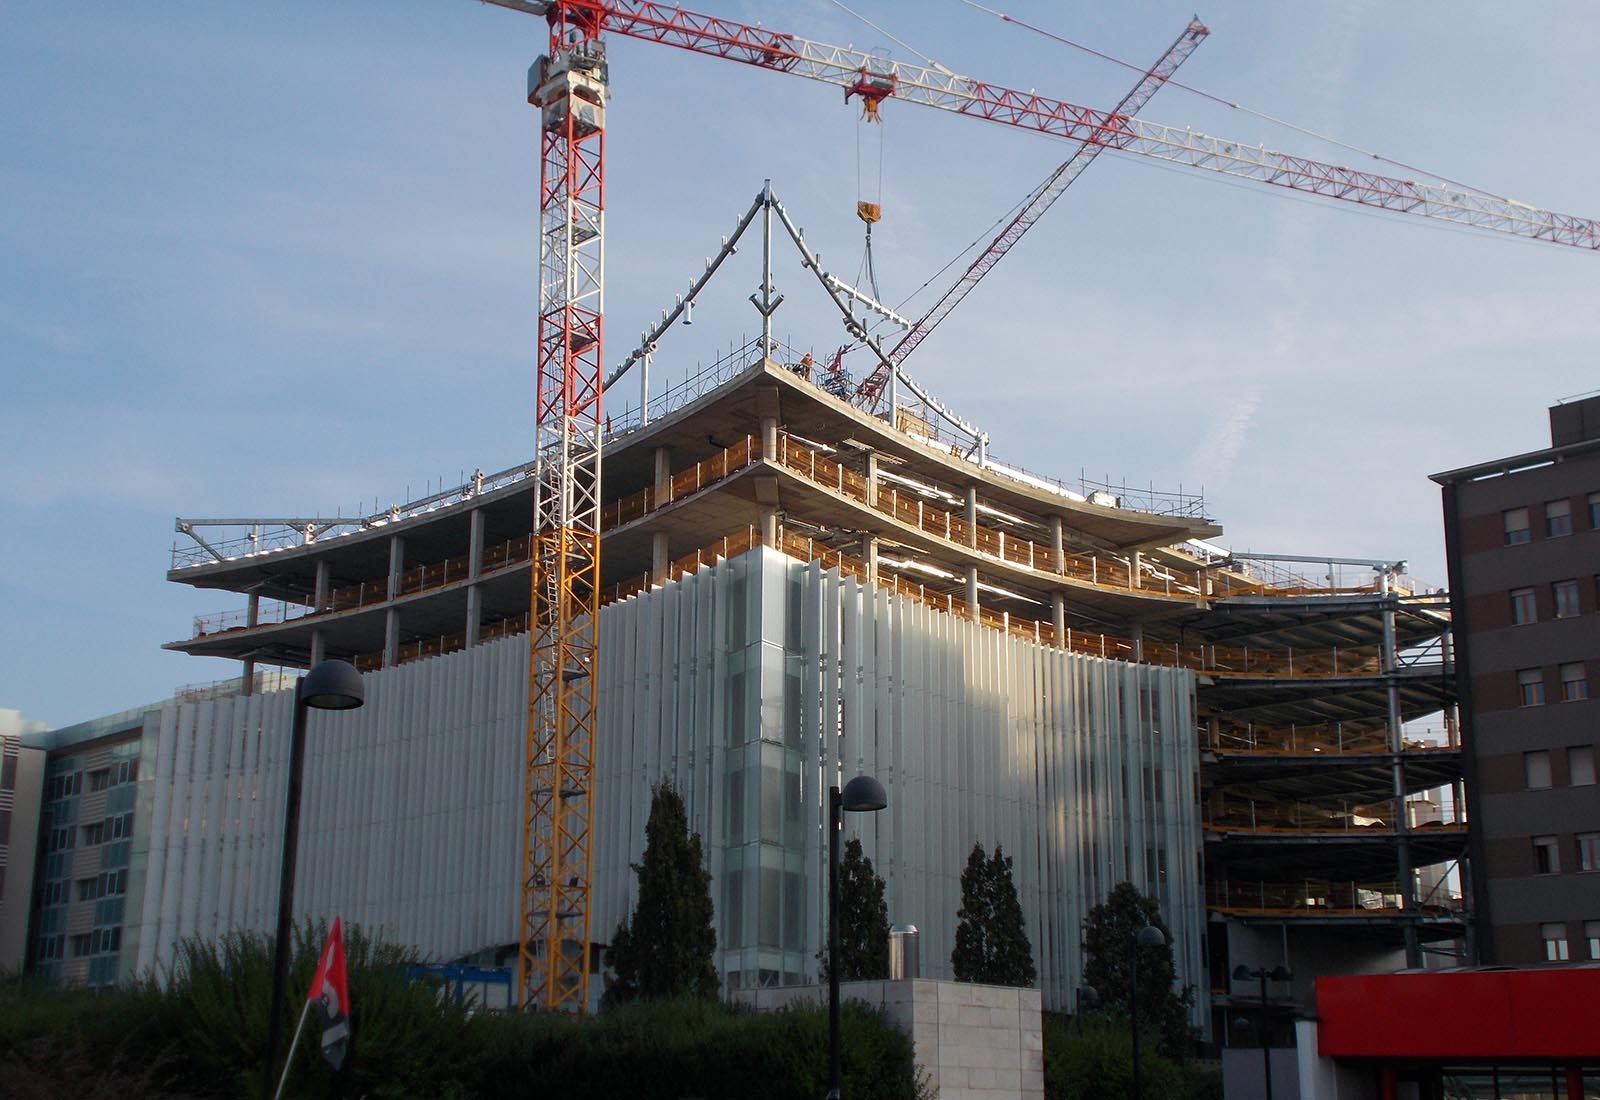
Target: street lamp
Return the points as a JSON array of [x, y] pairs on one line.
[[863, 794], [331, 685], [1148, 936], [1243, 973]]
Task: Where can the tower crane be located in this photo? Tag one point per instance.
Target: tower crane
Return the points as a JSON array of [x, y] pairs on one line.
[[569, 86], [1033, 207]]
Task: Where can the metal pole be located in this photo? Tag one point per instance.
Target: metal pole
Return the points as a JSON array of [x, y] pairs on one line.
[[291, 841], [1133, 1012], [293, 1046], [835, 814], [1266, 1050], [766, 270]]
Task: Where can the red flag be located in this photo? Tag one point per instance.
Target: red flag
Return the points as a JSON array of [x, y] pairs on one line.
[[331, 994]]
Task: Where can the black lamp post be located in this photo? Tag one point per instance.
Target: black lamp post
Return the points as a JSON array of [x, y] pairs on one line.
[[1243, 973], [863, 794], [331, 685], [1148, 936]]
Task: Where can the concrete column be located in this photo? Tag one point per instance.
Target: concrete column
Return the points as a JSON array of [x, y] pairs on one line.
[[1057, 546], [1138, 640], [474, 570], [319, 647], [971, 516], [972, 589], [769, 437], [769, 527], [1058, 617], [663, 483], [1135, 577], [324, 585], [872, 479], [247, 670], [660, 551], [660, 557], [391, 624], [870, 552]]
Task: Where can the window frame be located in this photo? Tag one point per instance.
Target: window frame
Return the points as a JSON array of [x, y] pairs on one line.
[[1565, 602], [1529, 759], [1524, 606], [1591, 933], [1556, 948], [1588, 848], [1557, 523], [1546, 855], [1574, 754], [1530, 678], [1578, 684], [1516, 536]]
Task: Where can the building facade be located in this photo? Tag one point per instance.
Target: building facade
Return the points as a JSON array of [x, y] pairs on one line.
[[796, 590], [1523, 538], [21, 781]]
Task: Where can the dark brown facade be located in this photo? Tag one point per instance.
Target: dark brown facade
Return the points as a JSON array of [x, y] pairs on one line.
[[1523, 538]]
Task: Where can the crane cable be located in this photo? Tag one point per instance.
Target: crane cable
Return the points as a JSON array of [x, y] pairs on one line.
[[1374, 154], [867, 210]]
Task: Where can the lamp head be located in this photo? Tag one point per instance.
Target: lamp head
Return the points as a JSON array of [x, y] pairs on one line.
[[1242, 973], [1281, 974], [863, 794], [1087, 995], [1149, 936], [332, 685]]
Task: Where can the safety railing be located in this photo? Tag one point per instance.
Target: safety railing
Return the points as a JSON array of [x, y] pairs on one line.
[[1331, 738], [417, 648], [1269, 816], [1322, 898], [818, 469]]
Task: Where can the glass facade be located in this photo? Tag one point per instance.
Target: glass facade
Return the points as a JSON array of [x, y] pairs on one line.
[[758, 683], [80, 893]]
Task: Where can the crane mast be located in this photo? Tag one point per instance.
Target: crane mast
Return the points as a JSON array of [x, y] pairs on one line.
[[569, 88], [1033, 208]]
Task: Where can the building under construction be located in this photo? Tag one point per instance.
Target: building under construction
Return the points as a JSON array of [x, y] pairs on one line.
[[796, 589]]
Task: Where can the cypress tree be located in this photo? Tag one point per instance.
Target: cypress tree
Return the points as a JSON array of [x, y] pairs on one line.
[[1108, 946], [991, 943], [863, 919], [666, 947]]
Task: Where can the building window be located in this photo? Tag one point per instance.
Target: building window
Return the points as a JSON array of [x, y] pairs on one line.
[[1589, 851], [1591, 932], [1516, 520], [1574, 682], [1546, 856], [1580, 766], [1524, 608], [1555, 942], [1594, 511], [1530, 686], [100, 780], [1557, 519], [1566, 594], [94, 834], [1536, 769]]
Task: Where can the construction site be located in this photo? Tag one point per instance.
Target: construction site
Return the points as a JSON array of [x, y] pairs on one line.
[[790, 569]]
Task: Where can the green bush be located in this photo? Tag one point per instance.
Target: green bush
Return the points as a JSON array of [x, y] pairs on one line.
[[692, 1048], [1086, 1058], [202, 1036]]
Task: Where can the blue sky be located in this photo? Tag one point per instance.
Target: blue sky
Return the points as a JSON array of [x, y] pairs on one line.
[[280, 258]]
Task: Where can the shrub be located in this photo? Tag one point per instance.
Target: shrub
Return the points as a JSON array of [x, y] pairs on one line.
[[1089, 1057]]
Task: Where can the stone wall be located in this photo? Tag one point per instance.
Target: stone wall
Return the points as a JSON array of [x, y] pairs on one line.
[[972, 1042]]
